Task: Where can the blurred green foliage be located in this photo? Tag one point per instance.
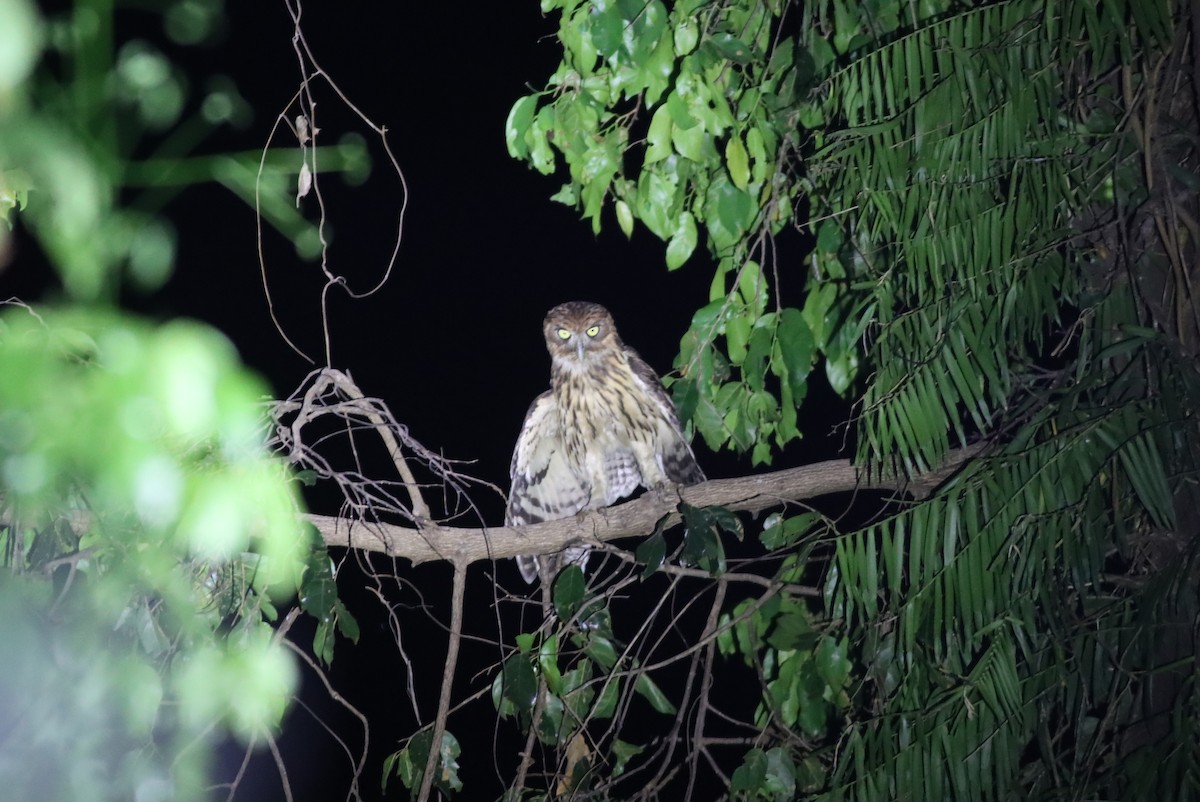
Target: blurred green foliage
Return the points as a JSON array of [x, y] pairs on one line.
[[146, 534]]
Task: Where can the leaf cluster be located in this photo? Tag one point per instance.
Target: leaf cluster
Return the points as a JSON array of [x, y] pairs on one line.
[[685, 119], [567, 686], [988, 191], [146, 534]]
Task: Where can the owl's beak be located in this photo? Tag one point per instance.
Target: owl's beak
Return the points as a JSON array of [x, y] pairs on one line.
[[579, 349]]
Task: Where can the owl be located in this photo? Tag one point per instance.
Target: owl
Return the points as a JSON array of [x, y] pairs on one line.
[[605, 426]]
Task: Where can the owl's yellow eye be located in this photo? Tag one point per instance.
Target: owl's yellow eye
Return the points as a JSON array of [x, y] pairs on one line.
[[593, 331], [563, 334]]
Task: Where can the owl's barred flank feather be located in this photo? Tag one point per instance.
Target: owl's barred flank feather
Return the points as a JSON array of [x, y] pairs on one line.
[[605, 426]]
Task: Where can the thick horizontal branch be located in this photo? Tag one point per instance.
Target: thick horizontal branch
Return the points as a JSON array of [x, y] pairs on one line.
[[634, 518]]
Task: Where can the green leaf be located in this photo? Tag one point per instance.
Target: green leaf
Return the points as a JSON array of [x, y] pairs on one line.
[[569, 588], [1143, 465], [692, 143], [606, 27], [623, 752], [548, 663], [540, 155], [710, 423], [577, 678], [737, 336], [599, 167], [752, 287], [649, 22], [517, 126], [346, 623], [409, 763], [757, 155], [841, 372], [730, 47], [389, 767], [790, 629], [658, 138], [656, 197], [323, 641], [683, 242], [701, 540], [832, 663], [750, 776], [657, 70], [551, 729], [728, 211], [687, 35], [725, 520], [818, 306], [738, 162], [725, 636], [808, 693], [318, 590], [610, 694], [681, 116], [518, 684], [829, 237], [782, 533], [651, 552], [686, 395], [780, 781], [624, 218], [758, 351], [846, 26], [601, 650], [796, 346], [648, 689], [706, 318]]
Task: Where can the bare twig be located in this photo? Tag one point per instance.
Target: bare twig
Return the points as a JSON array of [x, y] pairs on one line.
[[439, 723], [273, 746], [420, 509], [358, 763], [710, 628]]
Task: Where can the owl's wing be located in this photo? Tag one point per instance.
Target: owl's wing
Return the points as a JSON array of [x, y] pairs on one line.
[[543, 488], [674, 452], [621, 475]]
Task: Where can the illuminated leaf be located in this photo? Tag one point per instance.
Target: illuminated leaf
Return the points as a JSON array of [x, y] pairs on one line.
[[738, 162], [649, 690], [624, 218], [682, 242]]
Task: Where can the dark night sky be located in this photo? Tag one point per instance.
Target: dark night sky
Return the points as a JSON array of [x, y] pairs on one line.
[[453, 341]]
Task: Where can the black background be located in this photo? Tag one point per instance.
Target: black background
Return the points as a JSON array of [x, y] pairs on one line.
[[452, 342]]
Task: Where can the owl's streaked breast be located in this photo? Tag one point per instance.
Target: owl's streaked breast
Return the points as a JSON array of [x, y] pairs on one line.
[[608, 426]]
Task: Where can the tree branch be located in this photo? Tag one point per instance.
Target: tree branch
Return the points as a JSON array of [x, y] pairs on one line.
[[634, 518], [443, 711]]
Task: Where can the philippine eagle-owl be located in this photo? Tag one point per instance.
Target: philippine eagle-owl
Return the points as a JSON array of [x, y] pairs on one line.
[[605, 426]]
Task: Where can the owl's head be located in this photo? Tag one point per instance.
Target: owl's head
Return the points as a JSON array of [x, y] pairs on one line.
[[578, 332]]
